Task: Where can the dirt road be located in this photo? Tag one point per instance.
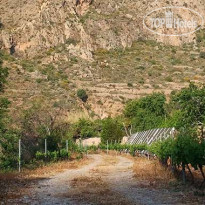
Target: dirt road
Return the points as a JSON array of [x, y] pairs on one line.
[[105, 180]]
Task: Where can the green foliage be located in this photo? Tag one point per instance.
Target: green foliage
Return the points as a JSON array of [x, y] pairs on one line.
[[141, 68], [42, 122], [8, 154], [202, 55], [175, 61], [8, 139], [3, 76], [120, 147], [71, 41], [28, 65], [146, 113], [200, 36], [129, 84], [1, 25], [53, 156], [4, 103], [81, 93], [112, 129], [189, 104], [184, 149], [163, 149], [85, 129]]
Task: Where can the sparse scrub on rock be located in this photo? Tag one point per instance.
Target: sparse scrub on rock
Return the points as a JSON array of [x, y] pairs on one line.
[[81, 93]]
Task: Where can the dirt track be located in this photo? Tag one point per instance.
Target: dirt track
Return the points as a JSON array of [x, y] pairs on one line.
[[106, 180]]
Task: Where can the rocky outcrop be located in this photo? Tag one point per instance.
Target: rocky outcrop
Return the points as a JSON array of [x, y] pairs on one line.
[[82, 6], [83, 26]]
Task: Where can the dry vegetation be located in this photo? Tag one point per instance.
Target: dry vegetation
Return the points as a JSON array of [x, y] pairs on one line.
[[110, 80], [153, 172], [95, 191], [150, 174], [158, 175], [15, 185], [116, 180]]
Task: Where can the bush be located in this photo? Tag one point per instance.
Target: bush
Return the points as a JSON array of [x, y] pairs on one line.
[[9, 150], [202, 55], [53, 156], [129, 84], [84, 129], [81, 93], [146, 113], [185, 149], [119, 147], [200, 35], [112, 129]]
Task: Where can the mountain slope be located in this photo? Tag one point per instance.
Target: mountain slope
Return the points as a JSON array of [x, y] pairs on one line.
[[101, 46]]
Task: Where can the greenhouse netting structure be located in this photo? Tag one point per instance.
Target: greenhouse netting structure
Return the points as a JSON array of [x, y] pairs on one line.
[[150, 136]]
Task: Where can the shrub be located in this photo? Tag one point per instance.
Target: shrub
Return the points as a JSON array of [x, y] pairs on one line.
[[129, 84], [112, 129], [53, 156], [140, 67], [81, 93], [202, 55], [169, 79], [185, 149], [200, 35], [175, 61], [1, 25], [9, 145], [146, 113], [85, 129]]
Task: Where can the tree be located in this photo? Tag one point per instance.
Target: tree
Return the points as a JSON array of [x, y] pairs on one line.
[[81, 93], [8, 138], [3, 101], [41, 122], [190, 103], [85, 129], [3, 75], [147, 113], [112, 130]]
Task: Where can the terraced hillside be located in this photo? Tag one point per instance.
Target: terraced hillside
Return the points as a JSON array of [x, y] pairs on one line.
[[59, 46], [112, 78]]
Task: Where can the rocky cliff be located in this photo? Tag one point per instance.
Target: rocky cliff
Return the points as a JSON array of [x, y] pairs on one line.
[[32, 27], [59, 46]]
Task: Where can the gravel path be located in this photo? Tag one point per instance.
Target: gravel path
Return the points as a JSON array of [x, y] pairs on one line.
[[121, 178], [51, 191], [107, 180]]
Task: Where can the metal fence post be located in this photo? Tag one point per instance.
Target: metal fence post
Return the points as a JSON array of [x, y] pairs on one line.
[[67, 145], [19, 155], [87, 150], [45, 147], [107, 146]]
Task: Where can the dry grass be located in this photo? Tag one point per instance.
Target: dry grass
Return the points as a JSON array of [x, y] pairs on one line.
[[73, 117], [108, 162], [14, 185], [54, 168], [152, 172], [95, 191]]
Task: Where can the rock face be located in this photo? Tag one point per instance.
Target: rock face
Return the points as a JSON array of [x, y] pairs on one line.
[[64, 45], [32, 27]]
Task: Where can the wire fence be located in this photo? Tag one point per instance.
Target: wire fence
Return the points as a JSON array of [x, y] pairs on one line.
[[44, 151], [40, 151]]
